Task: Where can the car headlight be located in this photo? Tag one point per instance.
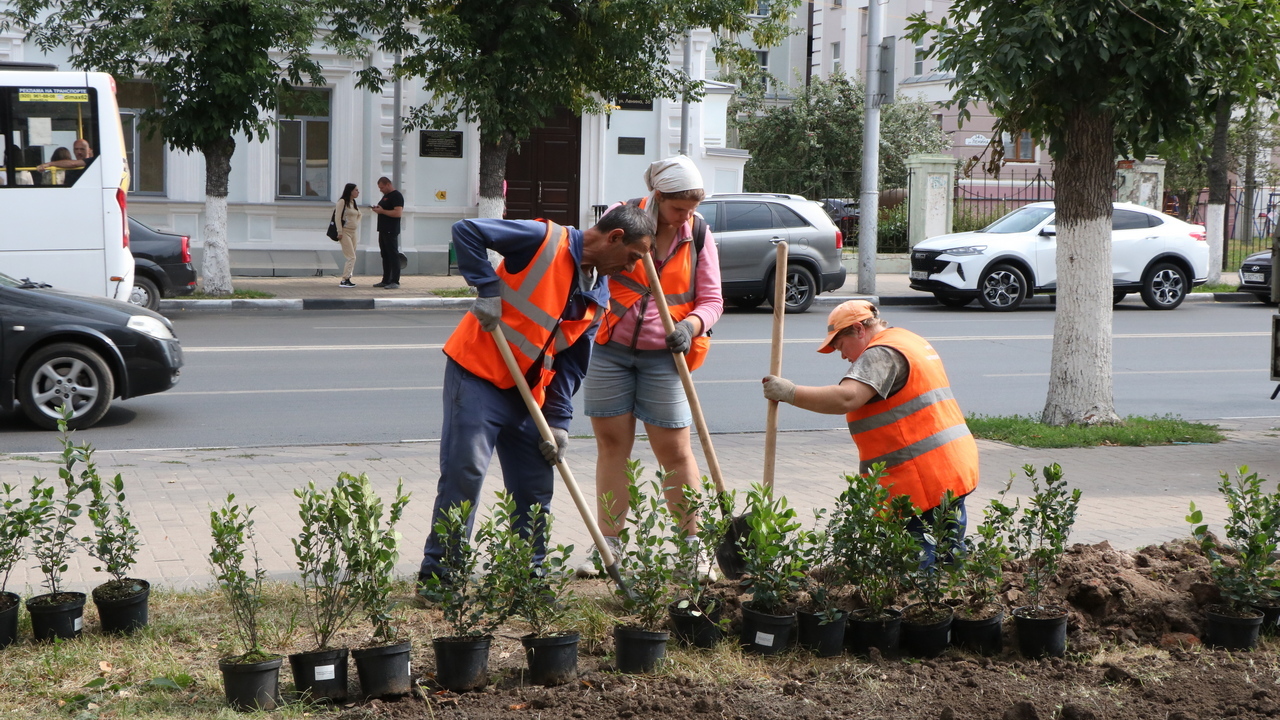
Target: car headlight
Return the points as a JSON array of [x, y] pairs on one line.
[[966, 250], [150, 326]]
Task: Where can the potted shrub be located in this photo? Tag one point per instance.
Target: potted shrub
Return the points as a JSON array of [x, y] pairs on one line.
[[473, 599], [372, 551], [328, 587], [57, 614], [640, 640], [1243, 569], [122, 600], [926, 624], [820, 623], [252, 678], [878, 551], [537, 591], [15, 528], [1038, 537], [695, 614], [974, 581], [773, 571]]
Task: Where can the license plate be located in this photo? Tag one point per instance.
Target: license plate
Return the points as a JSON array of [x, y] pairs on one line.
[[1248, 277], [919, 275]]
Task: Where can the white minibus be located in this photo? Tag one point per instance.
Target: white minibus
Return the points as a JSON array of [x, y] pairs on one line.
[[63, 190]]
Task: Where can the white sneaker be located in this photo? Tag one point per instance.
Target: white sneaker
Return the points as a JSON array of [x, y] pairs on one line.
[[593, 567]]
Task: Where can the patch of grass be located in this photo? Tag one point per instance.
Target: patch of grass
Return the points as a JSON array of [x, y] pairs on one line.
[[1216, 288], [1132, 431], [235, 295], [454, 292], [174, 462], [28, 458]]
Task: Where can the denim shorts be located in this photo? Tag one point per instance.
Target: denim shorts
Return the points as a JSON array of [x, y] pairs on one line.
[[644, 382]]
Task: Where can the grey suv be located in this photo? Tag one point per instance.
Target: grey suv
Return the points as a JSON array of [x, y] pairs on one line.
[[746, 226]]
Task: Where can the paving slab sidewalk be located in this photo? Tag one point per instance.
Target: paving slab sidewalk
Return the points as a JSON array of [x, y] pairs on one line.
[[1132, 496]]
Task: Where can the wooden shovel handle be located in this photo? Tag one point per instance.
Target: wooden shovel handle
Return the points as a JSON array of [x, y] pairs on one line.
[[686, 378], [775, 362]]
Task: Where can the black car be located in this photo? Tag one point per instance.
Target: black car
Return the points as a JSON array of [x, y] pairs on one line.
[[161, 265], [59, 348], [1255, 276]]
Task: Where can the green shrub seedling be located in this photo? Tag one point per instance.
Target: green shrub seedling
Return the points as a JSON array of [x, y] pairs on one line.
[[1243, 570]]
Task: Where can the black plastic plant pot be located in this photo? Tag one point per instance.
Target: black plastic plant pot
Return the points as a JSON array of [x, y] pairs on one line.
[[1270, 618], [639, 651], [983, 637], [928, 639], [57, 616], [462, 663], [123, 615], [822, 639], [9, 605], [320, 675], [1041, 636], [252, 686], [552, 659], [1229, 631], [764, 633], [882, 633], [699, 630], [384, 670]]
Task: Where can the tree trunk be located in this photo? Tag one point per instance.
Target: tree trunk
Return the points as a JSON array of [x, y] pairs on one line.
[[216, 265], [493, 173], [1248, 207], [1080, 389], [1215, 214]]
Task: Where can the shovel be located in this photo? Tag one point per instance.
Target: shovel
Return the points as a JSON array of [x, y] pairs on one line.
[[730, 563], [606, 555]]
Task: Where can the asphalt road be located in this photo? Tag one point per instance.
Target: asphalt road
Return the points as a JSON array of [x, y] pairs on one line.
[[313, 377]]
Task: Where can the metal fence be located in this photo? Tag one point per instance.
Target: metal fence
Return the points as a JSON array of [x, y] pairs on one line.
[[1250, 221], [981, 199]]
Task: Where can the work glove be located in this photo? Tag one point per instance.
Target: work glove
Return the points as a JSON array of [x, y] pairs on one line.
[[488, 310], [779, 389], [554, 452], [680, 338]]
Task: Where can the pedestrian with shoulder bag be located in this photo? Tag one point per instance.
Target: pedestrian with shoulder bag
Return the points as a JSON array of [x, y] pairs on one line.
[[343, 227]]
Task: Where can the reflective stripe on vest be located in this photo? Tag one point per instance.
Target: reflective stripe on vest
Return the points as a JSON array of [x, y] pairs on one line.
[[678, 276], [919, 433], [532, 302]]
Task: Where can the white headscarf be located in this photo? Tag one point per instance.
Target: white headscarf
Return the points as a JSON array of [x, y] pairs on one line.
[[671, 175]]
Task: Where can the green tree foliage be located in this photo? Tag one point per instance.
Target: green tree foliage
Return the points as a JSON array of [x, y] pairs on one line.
[[813, 147], [218, 70], [511, 65]]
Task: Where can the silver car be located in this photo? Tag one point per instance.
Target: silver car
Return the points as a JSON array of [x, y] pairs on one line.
[[748, 225]]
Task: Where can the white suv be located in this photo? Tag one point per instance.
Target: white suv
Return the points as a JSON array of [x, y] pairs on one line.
[[1154, 254]]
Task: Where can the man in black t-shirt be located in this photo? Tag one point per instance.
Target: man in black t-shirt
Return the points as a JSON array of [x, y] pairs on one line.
[[389, 210]]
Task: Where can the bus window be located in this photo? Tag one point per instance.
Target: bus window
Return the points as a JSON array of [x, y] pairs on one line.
[[52, 135]]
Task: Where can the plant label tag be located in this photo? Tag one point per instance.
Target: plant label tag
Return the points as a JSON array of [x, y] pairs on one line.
[[77, 624], [408, 668], [764, 639], [325, 672]]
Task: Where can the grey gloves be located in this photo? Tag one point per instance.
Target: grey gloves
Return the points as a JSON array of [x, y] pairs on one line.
[[488, 310], [779, 389], [680, 338], [555, 453]]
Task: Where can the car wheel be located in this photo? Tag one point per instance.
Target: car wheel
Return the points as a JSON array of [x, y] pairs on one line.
[[801, 288], [952, 301], [1117, 296], [747, 302], [1165, 286], [65, 373], [1002, 288], [145, 293]]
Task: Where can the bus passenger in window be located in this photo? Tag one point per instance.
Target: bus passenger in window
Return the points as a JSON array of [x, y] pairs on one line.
[[74, 165]]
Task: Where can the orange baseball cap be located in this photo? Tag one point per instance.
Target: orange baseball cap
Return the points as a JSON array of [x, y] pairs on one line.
[[846, 314]]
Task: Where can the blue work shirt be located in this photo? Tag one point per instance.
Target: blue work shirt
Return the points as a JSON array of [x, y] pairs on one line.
[[517, 241]]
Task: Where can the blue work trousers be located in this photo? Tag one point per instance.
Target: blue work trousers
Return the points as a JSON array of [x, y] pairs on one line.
[[919, 526], [479, 418]]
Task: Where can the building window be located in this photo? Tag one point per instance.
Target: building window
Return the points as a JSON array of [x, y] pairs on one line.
[[917, 67], [837, 3], [835, 58], [762, 8], [302, 146], [762, 56], [1024, 150], [144, 150]]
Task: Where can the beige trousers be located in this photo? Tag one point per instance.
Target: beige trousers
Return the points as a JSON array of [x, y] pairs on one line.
[[347, 237]]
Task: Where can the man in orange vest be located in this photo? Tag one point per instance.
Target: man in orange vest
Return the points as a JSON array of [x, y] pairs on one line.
[[547, 294], [899, 406]]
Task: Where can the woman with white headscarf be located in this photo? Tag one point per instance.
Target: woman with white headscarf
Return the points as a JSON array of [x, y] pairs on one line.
[[632, 375]]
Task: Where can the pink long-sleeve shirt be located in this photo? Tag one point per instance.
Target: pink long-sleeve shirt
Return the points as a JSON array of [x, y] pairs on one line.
[[708, 306]]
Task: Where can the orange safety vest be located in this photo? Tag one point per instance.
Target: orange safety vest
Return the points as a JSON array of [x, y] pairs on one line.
[[532, 302], [919, 433], [678, 278]]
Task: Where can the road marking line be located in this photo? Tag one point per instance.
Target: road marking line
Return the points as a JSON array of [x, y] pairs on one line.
[[300, 390], [1140, 372], [307, 348]]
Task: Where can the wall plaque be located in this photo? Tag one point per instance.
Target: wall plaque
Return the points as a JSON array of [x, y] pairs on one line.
[[630, 146], [440, 144]]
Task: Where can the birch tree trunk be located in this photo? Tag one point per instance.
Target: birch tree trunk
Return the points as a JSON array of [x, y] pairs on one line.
[[216, 263], [1215, 214], [1080, 389], [493, 171]]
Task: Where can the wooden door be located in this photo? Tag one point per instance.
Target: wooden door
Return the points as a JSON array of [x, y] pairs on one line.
[[542, 178]]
